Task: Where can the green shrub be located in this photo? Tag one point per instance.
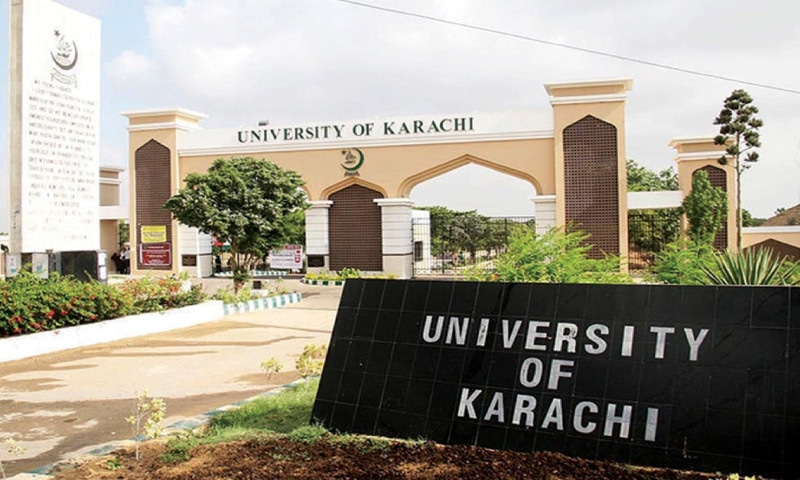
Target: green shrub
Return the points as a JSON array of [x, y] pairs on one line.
[[752, 267], [344, 274], [227, 295], [155, 294], [554, 256], [684, 263], [31, 304]]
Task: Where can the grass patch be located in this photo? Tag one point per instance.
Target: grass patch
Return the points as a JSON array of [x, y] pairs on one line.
[[288, 412], [279, 413]]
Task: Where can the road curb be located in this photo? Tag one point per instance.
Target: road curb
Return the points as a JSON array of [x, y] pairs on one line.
[[322, 282], [51, 341], [266, 303], [44, 472]]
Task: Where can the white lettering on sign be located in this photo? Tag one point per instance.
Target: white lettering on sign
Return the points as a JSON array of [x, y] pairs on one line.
[[558, 337], [584, 418], [558, 374]]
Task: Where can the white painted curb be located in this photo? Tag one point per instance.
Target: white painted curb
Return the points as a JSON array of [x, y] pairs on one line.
[[266, 303], [17, 348]]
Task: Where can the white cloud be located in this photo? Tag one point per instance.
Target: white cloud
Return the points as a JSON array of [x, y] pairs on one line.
[[244, 60], [131, 68]]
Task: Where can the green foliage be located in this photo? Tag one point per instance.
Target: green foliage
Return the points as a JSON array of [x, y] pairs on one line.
[[748, 220], [308, 433], [752, 267], [293, 227], [243, 201], [642, 179], [311, 361], [148, 414], [555, 256], [179, 446], [454, 232], [31, 304], [651, 229], [114, 464], [230, 296], [706, 208], [684, 263], [271, 366], [738, 131], [344, 274], [124, 233], [280, 413]]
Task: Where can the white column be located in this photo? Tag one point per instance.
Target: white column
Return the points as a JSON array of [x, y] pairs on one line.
[[545, 207], [317, 231], [398, 243]]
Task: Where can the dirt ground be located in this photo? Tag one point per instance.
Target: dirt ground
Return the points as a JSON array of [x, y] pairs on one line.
[[276, 458]]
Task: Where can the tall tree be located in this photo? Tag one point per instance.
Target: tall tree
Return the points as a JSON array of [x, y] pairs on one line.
[[243, 201], [738, 131], [705, 207], [642, 179]]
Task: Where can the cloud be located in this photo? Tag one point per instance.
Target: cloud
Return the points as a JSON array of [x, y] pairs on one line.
[[244, 60], [132, 68]]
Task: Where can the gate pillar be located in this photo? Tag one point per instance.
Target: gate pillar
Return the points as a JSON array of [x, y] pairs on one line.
[[545, 207], [398, 242], [317, 235]]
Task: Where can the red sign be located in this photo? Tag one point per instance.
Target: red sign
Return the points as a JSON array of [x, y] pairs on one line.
[[155, 255]]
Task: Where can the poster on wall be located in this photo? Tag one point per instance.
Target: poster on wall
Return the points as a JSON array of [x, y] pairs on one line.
[[288, 257], [155, 255], [154, 234]]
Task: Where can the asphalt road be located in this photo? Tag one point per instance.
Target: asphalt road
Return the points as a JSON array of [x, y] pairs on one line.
[[62, 405]]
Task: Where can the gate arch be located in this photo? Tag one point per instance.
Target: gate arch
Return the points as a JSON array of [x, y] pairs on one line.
[[409, 183]]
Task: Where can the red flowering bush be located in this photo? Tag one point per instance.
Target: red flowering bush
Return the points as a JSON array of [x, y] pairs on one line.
[[30, 304]]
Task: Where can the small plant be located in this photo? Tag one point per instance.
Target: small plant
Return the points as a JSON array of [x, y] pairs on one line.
[[114, 464], [735, 476], [229, 296], [271, 366], [11, 448], [312, 359], [179, 446], [346, 273], [148, 413], [308, 433]]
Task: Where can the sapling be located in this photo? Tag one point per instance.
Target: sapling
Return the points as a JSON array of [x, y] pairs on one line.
[[271, 366], [312, 359], [148, 413], [11, 448]]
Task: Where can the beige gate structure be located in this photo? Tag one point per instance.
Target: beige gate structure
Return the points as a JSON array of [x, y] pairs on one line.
[[359, 174]]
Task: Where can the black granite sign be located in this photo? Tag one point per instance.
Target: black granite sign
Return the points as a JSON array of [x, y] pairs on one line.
[[688, 377]]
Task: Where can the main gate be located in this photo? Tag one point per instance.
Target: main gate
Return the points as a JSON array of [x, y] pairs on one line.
[[453, 246]]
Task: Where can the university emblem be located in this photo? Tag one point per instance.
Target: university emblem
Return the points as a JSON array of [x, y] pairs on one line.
[[353, 160]]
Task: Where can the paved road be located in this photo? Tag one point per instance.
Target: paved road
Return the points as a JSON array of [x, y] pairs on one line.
[[60, 405]]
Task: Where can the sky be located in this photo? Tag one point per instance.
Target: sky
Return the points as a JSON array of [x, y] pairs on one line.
[[291, 61]]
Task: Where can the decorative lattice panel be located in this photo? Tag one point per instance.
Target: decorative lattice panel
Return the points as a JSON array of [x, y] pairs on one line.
[[591, 187], [355, 232], [152, 161], [718, 178]]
